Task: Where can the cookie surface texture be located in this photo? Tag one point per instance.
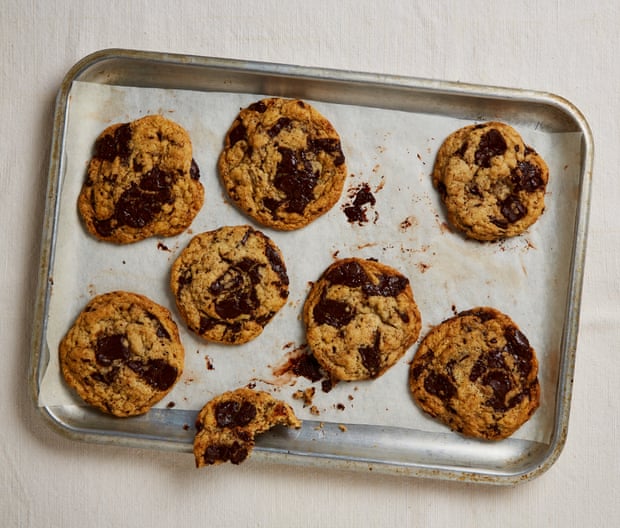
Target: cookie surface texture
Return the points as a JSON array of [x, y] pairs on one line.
[[141, 182], [282, 163], [477, 373], [360, 318], [123, 353], [229, 283], [492, 184], [226, 426]]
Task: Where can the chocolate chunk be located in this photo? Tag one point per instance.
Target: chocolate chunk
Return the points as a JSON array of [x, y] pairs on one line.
[[518, 346], [296, 179], [512, 208], [349, 274], [389, 286], [194, 170], [233, 413], [236, 289], [439, 385], [235, 452], [491, 144], [333, 313], [111, 348], [281, 123], [158, 373], [356, 211], [108, 147], [371, 356], [277, 264], [239, 133], [527, 176], [500, 384], [259, 107], [329, 145]]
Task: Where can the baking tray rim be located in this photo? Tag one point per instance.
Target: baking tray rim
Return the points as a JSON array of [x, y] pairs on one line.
[[556, 444]]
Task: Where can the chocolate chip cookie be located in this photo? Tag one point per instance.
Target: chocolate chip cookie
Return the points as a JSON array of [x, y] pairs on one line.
[[141, 182], [226, 427], [229, 283], [282, 163], [477, 373], [123, 354], [492, 184], [360, 319]]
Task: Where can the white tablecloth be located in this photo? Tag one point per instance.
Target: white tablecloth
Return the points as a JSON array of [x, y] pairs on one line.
[[565, 47]]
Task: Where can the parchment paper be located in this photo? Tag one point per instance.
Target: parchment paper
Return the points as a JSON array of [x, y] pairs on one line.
[[392, 152]]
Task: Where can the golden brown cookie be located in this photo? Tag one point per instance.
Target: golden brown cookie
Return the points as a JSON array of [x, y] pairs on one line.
[[229, 283], [123, 354], [360, 317], [282, 163], [477, 373], [141, 182], [226, 426], [492, 184]]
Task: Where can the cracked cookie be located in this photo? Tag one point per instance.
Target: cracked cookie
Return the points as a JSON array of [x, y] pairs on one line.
[[123, 354], [477, 373], [141, 182], [226, 426], [492, 184], [229, 283], [360, 317], [282, 163]]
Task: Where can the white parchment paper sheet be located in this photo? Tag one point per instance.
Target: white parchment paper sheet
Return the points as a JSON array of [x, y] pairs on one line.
[[391, 151]]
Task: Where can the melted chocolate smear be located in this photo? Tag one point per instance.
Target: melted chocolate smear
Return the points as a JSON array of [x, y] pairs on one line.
[[356, 210], [307, 366], [491, 144], [232, 413]]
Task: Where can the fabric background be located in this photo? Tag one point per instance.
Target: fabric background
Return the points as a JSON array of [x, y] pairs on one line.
[[565, 47]]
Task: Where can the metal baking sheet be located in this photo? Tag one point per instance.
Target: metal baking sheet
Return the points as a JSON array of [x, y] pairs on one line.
[[345, 439]]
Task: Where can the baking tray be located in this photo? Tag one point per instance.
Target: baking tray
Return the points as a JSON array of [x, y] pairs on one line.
[[395, 449]]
